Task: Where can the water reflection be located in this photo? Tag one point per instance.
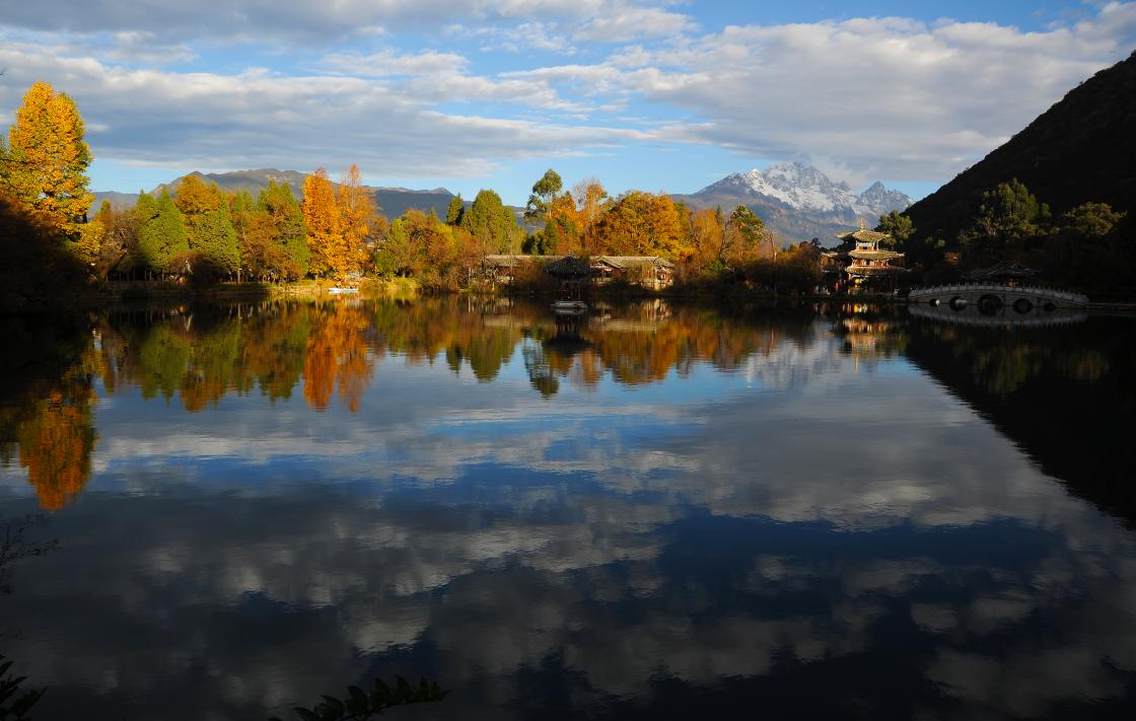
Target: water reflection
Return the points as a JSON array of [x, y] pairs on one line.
[[655, 511]]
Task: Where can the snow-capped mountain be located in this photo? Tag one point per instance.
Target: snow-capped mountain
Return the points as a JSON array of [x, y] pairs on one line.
[[799, 201]]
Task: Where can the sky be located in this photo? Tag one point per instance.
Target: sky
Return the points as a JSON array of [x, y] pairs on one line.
[[661, 95]]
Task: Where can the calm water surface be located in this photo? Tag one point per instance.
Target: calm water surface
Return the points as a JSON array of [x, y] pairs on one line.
[[653, 512]]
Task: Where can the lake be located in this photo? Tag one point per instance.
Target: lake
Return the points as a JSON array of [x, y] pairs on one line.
[[654, 511]]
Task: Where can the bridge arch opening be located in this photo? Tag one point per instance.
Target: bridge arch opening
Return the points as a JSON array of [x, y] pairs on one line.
[[989, 304]]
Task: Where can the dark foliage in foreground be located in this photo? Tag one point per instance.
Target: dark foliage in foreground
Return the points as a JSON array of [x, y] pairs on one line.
[[14, 702], [359, 705]]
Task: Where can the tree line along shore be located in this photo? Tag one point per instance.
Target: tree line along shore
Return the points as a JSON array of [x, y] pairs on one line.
[[196, 235]]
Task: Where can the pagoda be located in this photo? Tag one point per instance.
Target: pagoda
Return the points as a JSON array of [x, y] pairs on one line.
[[869, 260]]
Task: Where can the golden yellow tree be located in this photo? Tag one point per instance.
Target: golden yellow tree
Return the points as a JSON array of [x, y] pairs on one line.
[[358, 221], [322, 218], [48, 158]]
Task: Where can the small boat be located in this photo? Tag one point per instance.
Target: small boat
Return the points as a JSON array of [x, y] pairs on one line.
[[570, 306], [342, 291]]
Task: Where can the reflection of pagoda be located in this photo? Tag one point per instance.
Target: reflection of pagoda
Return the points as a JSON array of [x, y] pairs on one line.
[[869, 260]]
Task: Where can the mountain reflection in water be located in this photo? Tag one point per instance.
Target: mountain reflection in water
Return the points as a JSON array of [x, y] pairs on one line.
[[654, 511]]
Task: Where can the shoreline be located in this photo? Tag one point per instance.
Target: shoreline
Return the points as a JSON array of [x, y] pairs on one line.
[[407, 288]]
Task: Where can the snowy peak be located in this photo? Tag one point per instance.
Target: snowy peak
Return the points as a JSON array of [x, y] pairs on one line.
[[804, 188], [881, 200]]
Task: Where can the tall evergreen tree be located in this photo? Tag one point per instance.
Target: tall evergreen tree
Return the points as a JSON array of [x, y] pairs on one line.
[[543, 193], [288, 225], [492, 224], [47, 158], [209, 224], [898, 226], [161, 233], [455, 211]]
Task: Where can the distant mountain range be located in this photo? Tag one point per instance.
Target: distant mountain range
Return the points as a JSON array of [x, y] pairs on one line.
[[1080, 150], [393, 202], [798, 201]]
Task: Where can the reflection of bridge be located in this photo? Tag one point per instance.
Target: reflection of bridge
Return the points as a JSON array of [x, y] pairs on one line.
[[973, 316], [1001, 303]]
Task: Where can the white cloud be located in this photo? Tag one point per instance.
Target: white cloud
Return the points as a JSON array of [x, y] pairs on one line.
[[628, 23], [324, 21], [889, 97], [256, 118], [892, 98]]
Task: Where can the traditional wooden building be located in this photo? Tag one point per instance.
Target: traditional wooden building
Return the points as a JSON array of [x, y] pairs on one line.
[[869, 262], [648, 271], [502, 269]]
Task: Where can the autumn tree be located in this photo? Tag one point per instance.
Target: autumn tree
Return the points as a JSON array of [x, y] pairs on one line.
[[707, 237], [745, 237], [323, 221], [492, 224], [46, 158], [591, 199], [210, 234], [639, 223], [358, 220]]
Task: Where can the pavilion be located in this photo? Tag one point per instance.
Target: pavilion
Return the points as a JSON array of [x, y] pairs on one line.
[[869, 260]]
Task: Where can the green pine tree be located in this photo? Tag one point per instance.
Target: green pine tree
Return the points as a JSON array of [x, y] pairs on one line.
[[492, 224], [161, 232], [456, 210], [288, 222]]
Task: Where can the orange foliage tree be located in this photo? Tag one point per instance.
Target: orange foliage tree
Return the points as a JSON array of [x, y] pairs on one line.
[[323, 221], [639, 223], [359, 222], [47, 158], [337, 358]]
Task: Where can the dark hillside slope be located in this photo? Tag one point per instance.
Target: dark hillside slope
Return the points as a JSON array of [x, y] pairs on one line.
[[1082, 149]]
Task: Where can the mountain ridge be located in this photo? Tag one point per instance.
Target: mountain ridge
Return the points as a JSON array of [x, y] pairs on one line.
[[1082, 149], [392, 201]]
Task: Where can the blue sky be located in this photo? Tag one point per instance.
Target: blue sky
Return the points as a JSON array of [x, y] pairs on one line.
[[662, 95]]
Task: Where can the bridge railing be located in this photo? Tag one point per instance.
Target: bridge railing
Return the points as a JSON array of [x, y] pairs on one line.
[[995, 288]]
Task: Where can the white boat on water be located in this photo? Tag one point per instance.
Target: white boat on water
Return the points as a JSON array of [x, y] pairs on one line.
[[570, 306], [342, 291]]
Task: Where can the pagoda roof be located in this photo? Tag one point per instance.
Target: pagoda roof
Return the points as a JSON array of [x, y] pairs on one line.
[[863, 235], [874, 254], [874, 269]]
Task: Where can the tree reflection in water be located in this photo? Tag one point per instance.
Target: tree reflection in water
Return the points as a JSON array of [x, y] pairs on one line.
[[200, 355], [654, 511]]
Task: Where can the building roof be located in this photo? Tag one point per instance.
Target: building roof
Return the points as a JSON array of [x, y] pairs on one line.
[[873, 269], [567, 266], [510, 261], [874, 254], [625, 262], [864, 236]]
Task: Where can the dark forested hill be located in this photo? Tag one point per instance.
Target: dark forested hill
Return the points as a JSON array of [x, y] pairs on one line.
[[1082, 149]]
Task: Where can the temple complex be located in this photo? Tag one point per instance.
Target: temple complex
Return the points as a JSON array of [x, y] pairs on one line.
[[869, 260]]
